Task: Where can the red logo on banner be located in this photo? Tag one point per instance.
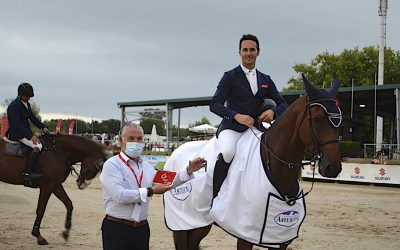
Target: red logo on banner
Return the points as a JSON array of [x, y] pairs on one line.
[[357, 170], [58, 126], [71, 127], [382, 171]]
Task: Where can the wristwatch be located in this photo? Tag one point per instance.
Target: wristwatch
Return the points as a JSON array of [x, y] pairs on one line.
[[150, 192]]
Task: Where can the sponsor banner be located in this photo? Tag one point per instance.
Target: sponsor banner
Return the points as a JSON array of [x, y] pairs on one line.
[[370, 173]]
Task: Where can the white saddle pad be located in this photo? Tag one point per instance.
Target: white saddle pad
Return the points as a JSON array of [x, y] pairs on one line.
[[247, 206]]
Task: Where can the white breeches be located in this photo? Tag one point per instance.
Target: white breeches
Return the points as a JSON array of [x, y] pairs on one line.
[[29, 143], [227, 140]]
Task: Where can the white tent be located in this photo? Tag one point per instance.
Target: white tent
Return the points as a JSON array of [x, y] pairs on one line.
[[204, 128], [154, 138]]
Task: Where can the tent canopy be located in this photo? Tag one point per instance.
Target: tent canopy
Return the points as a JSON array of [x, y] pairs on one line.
[[204, 128], [154, 138]]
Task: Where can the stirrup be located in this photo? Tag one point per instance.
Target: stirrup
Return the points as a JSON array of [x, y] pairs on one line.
[[32, 175]]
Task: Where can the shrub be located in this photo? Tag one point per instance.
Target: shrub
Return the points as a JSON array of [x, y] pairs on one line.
[[349, 149]]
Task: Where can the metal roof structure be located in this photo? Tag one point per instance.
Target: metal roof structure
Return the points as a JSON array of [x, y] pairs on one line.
[[358, 101]]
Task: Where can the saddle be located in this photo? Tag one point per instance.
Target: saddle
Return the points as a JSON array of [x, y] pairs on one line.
[[15, 148]]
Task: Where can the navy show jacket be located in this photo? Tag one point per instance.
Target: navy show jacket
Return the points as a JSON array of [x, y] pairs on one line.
[[234, 90], [18, 120]]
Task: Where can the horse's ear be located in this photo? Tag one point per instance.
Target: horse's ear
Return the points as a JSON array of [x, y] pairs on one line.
[[335, 87], [311, 91]]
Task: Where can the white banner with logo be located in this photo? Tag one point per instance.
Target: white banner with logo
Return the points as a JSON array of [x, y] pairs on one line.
[[370, 173]]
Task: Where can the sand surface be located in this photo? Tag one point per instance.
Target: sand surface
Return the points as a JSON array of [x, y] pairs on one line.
[[339, 216]]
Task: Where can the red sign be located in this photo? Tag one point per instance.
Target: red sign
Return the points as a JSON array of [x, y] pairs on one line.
[[357, 170], [164, 177], [58, 126], [71, 127], [382, 171]]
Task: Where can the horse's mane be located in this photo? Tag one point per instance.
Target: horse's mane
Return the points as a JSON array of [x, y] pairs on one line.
[[80, 143], [292, 108]]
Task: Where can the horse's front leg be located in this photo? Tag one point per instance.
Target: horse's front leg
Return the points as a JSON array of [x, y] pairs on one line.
[[243, 245], [45, 192], [196, 235], [60, 193], [180, 239]]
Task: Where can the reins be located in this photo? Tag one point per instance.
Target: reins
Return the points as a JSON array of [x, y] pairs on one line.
[[53, 148]]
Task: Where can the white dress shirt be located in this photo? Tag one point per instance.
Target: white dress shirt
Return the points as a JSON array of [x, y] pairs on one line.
[[251, 75], [123, 198]]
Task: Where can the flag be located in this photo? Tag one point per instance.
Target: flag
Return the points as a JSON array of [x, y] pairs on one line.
[[58, 126], [71, 127]]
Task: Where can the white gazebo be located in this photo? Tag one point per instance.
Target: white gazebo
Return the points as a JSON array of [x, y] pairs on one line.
[[204, 128]]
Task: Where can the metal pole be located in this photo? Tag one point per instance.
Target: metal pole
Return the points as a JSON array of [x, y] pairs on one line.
[[375, 113], [122, 116], [398, 123], [179, 125], [352, 97], [169, 124], [382, 12]]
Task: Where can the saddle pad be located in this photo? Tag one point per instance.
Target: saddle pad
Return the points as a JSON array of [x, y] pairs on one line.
[[243, 201], [15, 148]]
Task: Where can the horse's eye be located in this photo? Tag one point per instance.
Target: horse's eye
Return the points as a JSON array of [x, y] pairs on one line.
[[316, 119]]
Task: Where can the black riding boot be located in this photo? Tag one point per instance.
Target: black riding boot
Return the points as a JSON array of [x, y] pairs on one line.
[[30, 173], [220, 172]]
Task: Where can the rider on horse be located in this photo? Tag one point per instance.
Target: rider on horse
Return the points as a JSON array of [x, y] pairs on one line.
[[19, 113], [243, 89]]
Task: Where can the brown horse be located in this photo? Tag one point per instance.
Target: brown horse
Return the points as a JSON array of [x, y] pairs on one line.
[[59, 154], [310, 123]]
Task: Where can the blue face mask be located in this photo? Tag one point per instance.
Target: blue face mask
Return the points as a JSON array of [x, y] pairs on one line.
[[134, 149]]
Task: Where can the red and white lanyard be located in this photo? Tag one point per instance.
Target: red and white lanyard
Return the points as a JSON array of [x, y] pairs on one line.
[[138, 181]]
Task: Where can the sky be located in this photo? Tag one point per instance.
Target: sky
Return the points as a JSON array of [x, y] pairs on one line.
[[84, 56]]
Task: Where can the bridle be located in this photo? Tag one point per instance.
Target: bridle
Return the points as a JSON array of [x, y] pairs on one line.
[[71, 168], [317, 146]]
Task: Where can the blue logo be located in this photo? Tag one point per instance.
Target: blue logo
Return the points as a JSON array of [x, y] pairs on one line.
[[287, 219], [182, 192]]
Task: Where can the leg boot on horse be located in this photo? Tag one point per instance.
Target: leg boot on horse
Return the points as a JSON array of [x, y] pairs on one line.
[[220, 172]]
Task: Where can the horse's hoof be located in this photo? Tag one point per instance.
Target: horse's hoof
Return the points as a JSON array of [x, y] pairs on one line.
[[42, 242], [65, 235]]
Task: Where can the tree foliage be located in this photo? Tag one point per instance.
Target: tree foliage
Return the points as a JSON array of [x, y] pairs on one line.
[[110, 126], [203, 120], [358, 64], [147, 125]]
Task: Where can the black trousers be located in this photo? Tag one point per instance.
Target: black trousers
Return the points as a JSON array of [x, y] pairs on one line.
[[118, 236]]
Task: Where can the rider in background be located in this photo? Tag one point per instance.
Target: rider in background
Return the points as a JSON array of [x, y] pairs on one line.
[[243, 89], [19, 113]]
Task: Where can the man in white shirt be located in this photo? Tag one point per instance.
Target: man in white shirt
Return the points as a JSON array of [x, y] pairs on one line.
[[127, 183]]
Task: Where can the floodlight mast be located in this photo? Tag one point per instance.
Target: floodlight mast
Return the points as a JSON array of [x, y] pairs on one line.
[[382, 12]]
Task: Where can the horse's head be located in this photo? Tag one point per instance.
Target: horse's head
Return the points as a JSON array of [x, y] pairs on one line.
[[320, 128], [91, 164], [73, 149], [89, 169]]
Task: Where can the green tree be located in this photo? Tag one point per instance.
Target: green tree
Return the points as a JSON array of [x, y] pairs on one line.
[[203, 120], [111, 126], [360, 65], [147, 125]]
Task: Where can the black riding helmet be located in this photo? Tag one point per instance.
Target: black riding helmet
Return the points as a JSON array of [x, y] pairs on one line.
[[25, 89]]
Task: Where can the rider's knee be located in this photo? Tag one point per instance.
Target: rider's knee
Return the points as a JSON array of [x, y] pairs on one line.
[[228, 155]]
